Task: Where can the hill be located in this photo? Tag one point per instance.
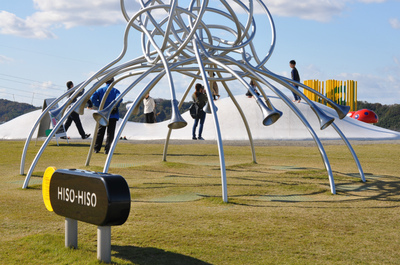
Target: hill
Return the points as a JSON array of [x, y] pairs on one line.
[[163, 110], [10, 109]]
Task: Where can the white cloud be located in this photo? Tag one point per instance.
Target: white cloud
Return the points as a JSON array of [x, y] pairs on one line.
[[395, 23], [318, 10], [375, 88], [62, 13], [10, 24], [5, 59], [71, 13]]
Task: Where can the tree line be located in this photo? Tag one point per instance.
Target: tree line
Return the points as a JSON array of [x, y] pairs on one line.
[[388, 115]]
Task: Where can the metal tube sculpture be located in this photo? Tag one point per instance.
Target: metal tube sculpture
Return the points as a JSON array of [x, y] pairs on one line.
[[188, 39]]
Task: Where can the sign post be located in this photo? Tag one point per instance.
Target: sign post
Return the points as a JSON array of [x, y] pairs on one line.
[[97, 198]]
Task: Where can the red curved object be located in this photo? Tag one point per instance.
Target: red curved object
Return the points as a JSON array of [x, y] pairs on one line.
[[350, 114], [365, 115]]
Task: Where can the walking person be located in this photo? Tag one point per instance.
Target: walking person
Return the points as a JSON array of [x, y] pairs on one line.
[[201, 98], [295, 77], [74, 116], [114, 117], [149, 107]]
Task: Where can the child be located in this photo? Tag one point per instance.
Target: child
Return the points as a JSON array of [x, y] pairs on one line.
[[295, 77]]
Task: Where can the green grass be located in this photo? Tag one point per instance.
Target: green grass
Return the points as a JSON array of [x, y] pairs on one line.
[[280, 210]]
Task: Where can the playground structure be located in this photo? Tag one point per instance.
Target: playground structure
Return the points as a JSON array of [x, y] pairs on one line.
[[341, 92], [191, 39]]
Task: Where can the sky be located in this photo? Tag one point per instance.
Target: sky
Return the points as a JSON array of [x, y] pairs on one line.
[[45, 43]]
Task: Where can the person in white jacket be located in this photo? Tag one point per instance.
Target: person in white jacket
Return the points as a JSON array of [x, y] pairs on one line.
[[149, 106]]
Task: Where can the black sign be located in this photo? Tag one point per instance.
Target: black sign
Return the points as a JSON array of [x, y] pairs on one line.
[[97, 198]]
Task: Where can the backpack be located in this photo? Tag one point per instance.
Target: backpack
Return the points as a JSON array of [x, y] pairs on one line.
[[194, 110]]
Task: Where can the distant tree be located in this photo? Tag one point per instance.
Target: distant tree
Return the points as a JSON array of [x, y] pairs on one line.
[[163, 110], [388, 115], [10, 109]]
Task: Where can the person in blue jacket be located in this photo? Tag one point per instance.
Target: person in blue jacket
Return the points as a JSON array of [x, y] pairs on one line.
[[114, 117]]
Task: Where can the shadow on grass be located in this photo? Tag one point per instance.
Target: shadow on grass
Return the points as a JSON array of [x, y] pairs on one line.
[[86, 145], [376, 188], [138, 255]]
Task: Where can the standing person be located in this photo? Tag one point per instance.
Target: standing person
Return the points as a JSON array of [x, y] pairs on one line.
[[149, 106], [114, 117], [74, 116], [214, 87], [295, 77], [200, 98]]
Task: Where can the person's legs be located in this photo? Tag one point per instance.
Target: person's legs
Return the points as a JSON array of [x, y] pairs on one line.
[[196, 121], [152, 117], [149, 117], [202, 119], [99, 138], [296, 97], [77, 121], [110, 134], [68, 123]]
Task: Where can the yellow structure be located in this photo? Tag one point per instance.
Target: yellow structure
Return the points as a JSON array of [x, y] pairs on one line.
[[341, 92]]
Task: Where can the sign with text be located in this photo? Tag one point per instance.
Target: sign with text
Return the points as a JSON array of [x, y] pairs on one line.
[[97, 198]]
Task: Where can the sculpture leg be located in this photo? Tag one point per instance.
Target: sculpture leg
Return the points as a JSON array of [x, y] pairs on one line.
[[360, 170]]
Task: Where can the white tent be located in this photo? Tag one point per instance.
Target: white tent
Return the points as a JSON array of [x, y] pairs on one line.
[[288, 127]]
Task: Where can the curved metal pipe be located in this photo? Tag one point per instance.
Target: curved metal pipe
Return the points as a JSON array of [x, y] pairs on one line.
[[28, 139], [360, 170], [246, 124], [145, 90], [294, 109], [216, 124]]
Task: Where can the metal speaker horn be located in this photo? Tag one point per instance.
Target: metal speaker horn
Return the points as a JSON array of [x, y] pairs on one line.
[[270, 115], [324, 120], [207, 108], [57, 113], [177, 122], [340, 109], [103, 116]]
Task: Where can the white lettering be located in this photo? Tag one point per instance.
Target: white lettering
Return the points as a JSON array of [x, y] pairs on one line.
[[80, 197], [88, 199], [59, 193], [72, 195], [94, 200]]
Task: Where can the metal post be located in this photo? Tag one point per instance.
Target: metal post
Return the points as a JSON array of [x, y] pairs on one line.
[[104, 243], [71, 233]]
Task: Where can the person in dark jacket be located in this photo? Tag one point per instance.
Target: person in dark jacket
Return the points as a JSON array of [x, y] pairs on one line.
[[114, 117], [201, 99], [74, 116]]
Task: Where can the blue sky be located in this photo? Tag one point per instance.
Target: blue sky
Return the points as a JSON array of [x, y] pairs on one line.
[[44, 43]]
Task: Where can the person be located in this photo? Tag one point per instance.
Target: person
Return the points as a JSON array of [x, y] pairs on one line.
[[295, 77], [214, 87], [114, 117], [149, 106], [253, 86], [74, 116], [201, 99]]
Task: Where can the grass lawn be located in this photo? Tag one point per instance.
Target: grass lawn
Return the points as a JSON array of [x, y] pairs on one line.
[[280, 210]]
